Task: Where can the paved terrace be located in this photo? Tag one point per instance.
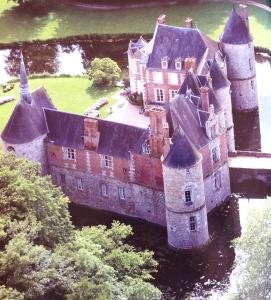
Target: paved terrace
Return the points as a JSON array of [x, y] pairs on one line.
[[250, 160]]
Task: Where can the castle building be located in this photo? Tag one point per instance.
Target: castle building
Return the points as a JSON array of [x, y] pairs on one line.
[[172, 173]]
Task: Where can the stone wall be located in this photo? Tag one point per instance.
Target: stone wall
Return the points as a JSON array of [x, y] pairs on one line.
[[214, 194], [139, 201], [34, 150]]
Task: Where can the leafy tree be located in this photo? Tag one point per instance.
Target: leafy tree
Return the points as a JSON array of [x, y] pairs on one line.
[[104, 72], [43, 257], [253, 258]]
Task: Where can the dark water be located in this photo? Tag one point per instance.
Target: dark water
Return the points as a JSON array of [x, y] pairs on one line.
[[202, 274]]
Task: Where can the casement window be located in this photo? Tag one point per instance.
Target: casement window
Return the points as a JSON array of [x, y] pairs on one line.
[[69, 153], [193, 223], [104, 190], [188, 196], [215, 154], [108, 162], [160, 95], [173, 78], [80, 184], [178, 64], [157, 77], [62, 179], [121, 192], [172, 93], [164, 62], [217, 180], [146, 148]]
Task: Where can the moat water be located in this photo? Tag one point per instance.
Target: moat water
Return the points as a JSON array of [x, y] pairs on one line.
[[195, 275]]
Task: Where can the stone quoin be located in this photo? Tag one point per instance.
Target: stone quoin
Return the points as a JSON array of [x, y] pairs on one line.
[[175, 171]]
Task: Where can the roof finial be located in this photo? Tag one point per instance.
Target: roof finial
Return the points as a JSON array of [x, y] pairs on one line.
[[24, 87]]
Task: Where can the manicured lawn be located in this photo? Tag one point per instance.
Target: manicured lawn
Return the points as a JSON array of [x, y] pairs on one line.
[[68, 94], [61, 21]]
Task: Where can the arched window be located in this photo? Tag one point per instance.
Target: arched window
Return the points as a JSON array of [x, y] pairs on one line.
[[11, 149]]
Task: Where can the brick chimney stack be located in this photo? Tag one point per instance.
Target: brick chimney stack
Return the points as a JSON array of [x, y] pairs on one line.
[[189, 23], [204, 97], [244, 14], [161, 19], [91, 134], [190, 64], [159, 131]]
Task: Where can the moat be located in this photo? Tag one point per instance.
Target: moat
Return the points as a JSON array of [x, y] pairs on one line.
[[186, 274]]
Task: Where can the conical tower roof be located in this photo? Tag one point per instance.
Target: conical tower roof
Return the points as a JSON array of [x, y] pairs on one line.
[[183, 153], [236, 31], [218, 79]]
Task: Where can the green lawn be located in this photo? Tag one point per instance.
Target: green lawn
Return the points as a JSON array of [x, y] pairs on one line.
[[60, 21], [68, 94]]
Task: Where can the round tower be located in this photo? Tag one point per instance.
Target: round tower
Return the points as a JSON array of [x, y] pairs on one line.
[[237, 45], [221, 87], [186, 212]]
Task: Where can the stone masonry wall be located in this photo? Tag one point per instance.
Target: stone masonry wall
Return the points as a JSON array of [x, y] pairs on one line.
[[34, 150], [139, 202]]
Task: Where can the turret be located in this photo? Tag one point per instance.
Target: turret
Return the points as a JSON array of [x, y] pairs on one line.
[[221, 87], [186, 212], [237, 46]]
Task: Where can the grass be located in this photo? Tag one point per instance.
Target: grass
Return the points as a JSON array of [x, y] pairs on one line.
[[61, 21], [73, 94]]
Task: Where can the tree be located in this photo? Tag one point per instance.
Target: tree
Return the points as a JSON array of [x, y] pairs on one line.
[[42, 256], [104, 72], [253, 258]]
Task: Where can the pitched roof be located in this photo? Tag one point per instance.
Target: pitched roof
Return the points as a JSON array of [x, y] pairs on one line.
[[236, 31], [184, 114], [66, 129], [183, 153], [175, 42], [218, 78], [27, 120]]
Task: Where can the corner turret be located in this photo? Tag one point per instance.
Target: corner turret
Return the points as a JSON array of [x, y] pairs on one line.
[[237, 46], [186, 212]]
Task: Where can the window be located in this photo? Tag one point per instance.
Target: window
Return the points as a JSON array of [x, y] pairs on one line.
[[80, 184], [252, 84], [187, 171], [62, 179], [217, 180], [250, 65], [160, 95], [124, 171], [173, 78], [121, 193], [10, 149], [215, 155], [108, 161], [178, 64], [172, 93], [104, 190], [188, 196], [146, 148], [69, 153], [158, 77], [164, 62], [193, 223]]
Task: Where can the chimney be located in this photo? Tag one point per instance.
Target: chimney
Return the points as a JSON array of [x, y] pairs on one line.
[[189, 23], [190, 64], [161, 19], [204, 97], [244, 14], [91, 134], [159, 130]]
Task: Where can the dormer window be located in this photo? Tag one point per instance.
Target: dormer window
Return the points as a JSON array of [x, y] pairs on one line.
[[164, 62], [178, 64]]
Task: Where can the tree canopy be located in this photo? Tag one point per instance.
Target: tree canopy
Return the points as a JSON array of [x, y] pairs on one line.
[[104, 72], [253, 264], [42, 256]]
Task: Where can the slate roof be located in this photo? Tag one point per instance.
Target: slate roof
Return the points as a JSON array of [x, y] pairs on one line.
[[218, 78], [236, 31], [27, 120], [193, 83], [175, 42], [23, 76], [66, 129], [184, 114], [182, 153]]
